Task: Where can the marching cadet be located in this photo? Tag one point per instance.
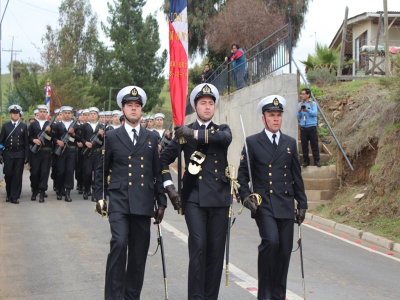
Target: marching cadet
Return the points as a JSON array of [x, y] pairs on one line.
[[143, 121], [59, 114], [276, 174], [108, 116], [131, 155], [66, 161], [205, 194], [91, 161], [80, 157], [40, 161], [102, 117], [36, 113], [53, 174], [159, 125], [31, 119], [85, 113], [15, 153], [121, 118], [115, 119], [150, 123]]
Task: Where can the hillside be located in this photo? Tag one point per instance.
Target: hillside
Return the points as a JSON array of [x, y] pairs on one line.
[[365, 116]]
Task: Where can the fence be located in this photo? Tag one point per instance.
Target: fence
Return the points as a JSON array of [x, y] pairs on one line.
[[266, 57]]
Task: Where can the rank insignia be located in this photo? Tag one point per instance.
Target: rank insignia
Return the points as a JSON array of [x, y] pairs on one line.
[[134, 92], [288, 149], [242, 157], [206, 89], [149, 143], [276, 102]]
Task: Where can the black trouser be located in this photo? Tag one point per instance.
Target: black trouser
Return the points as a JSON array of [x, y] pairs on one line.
[[13, 169], [54, 174], [79, 167], [40, 170], [309, 134], [90, 167], [274, 256], [125, 281], [207, 235], [65, 169]]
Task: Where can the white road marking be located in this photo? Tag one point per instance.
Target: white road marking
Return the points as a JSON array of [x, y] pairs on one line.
[[246, 280], [352, 243]]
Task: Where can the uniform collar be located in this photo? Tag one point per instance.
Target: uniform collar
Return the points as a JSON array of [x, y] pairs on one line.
[[269, 135], [206, 124], [129, 128]]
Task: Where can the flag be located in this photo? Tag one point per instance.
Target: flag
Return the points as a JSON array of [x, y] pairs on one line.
[[47, 91], [178, 53]]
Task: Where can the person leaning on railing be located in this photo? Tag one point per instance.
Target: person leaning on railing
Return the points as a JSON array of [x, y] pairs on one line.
[[207, 75], [238, 60]]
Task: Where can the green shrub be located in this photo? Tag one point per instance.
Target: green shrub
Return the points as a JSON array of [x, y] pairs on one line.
[[323, 132], [321, 76], [316, 91]]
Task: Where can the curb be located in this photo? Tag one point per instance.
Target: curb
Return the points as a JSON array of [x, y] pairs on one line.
[[365, 235]]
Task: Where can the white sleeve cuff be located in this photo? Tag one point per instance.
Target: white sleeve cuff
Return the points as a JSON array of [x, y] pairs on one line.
[[167, 183], [196, 134]]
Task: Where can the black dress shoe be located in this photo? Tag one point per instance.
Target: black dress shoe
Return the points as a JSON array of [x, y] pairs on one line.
[[54, 189], [59, 195], [305, 165], [85, 195], [34, 194], [14, 201], [8, 199], [94, 198], [318, 164], [89, 193], [80, 190], [68, 196], [41, 198]]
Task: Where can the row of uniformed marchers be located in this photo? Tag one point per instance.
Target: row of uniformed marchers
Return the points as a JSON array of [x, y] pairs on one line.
[[138, 177], [64, 145]]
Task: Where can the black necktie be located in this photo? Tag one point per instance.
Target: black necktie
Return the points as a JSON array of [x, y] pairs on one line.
[[274, 143], [14, 124], [135, 136], [203, 126]]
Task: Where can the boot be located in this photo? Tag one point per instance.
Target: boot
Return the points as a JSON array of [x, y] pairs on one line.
[[94, 198], [8, 199], [85, 195], [41, 198], [14, 200], [59, 194], [68, 196], [89, 193], [34, 194]]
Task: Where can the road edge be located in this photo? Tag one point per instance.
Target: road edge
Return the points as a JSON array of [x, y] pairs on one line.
[[362, 234]]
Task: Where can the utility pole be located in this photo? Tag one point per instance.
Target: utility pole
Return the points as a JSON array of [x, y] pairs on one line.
[[386, 26], [12, 61]]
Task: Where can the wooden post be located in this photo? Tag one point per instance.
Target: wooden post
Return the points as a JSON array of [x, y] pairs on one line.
[[340, 167], [344, 34], [376, 44], [386, 26]]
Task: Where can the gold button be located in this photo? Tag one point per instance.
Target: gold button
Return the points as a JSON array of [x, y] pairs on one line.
[[130, 183], [200, 177], [285, 182], [11, 140], [285, 192], [130, 174], [270, 174], [270, 166], [216, 171], [130, 166], [129, 157], [142, 184], [216, 161], [11, 143], [284, 175], [141, 166], [285, 167], [216, 178], [215, 154], [270, 182], [141, 158], [271, 191], [141, 176]]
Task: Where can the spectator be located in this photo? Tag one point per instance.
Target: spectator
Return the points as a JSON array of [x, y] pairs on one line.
[[238, 60], [207, 75], [307, 114]]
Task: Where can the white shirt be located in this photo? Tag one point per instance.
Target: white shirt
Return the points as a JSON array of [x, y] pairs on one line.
[[160, 132], [15, 123], [129, 130], [269, 135], [41, 123], [94, 126], [206, 124], [116, 126], [66, 124]]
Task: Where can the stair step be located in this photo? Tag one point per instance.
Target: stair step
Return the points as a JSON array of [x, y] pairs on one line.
[[314, 204], [321, 183], [323, 158], [321, 172]]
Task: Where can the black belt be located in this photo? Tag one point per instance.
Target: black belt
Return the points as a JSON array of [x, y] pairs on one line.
[[45, 149], [96, 150], [71, 147], [14, 149]]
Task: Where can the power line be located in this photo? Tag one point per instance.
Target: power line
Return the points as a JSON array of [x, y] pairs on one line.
[[21, 27], [4, 12], [53, 12]]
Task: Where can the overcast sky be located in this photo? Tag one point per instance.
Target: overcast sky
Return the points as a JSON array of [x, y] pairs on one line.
[[26, 20]]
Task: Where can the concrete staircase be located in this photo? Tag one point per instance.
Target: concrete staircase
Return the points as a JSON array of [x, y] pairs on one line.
[[320, 183]]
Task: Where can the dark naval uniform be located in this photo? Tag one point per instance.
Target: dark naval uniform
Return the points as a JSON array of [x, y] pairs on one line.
[[79, 161], [135, 179], [205, 203], [41, 161], [15, 152], [276, 175], [66, 161], [91, 161]]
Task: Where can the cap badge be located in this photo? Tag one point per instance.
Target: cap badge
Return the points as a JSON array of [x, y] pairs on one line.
[[206, 89], [134, 92], [15, 108], [276, 102]]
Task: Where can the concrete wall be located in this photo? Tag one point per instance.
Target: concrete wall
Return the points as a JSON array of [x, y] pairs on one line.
[[244, 102]]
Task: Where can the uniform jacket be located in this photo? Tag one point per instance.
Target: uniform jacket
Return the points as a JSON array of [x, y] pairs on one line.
[[58, 131], [34, 130], [276, 175], [214, 188], [18, 139], [86, 133], [135, 173]]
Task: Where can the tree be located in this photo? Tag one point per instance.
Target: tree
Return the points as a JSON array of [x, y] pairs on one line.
[[132, 59], [233, 25]]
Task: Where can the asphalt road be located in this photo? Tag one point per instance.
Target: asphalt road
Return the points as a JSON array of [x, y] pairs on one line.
[[58, 250]]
